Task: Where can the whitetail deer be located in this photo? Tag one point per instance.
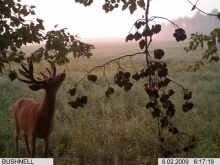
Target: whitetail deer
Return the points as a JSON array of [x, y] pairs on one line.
[[36, 119]]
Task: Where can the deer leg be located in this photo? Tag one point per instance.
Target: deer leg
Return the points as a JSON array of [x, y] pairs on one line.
[[45, 148], [26, 142], [16, 134], [33, 141]]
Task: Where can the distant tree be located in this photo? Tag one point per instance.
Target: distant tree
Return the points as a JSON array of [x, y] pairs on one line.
[[15, 31]]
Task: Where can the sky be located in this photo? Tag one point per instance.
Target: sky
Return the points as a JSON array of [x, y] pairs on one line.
[[93, 22]]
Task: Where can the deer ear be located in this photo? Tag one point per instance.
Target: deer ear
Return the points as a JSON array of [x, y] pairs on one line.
[[35, 87]]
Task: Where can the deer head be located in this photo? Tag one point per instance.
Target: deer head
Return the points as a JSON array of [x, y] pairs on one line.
[[48, 83]]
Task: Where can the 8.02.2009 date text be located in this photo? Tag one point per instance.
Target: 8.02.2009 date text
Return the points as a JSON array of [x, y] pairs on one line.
[[164, 161], [189, 161]]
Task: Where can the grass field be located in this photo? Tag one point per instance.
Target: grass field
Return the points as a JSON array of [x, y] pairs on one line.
[[119, 129]]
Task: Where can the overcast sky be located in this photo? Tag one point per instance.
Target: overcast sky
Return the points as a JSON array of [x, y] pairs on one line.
[[93, 22]]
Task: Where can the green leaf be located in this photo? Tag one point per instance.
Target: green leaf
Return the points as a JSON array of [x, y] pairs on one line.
[[33, 12], [137, 36], [32, 7], [130, 37], [24, 11], [125, 6], [214, 58], [38, 55], [132, 8], [12, 24], [39, 20], [12, 75], [141, 4], [142, 44]]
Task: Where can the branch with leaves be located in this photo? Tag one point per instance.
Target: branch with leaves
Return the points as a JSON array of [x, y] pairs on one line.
[[212, 41], [16, 32], [197, 40], [157, 83], [110, 5], [195, 7]]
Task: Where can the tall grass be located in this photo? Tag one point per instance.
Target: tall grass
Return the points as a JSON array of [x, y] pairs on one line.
[[119, 129]]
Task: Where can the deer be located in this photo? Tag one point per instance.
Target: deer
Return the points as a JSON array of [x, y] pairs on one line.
[[36, 119]]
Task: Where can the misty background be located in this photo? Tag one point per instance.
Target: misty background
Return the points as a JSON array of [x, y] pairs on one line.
[[201, 23]]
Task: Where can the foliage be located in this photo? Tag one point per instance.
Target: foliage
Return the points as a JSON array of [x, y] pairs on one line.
[[58, 45], [211, 42], [155, 73], [16, 31], [110, 5]]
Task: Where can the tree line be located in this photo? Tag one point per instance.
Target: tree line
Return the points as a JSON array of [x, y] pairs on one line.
[[200, 23]]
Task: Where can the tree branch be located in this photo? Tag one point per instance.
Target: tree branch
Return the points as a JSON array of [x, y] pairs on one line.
[[100, 66], [194, 7], [154, 17]]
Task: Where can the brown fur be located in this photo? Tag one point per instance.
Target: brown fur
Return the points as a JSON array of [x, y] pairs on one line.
[[36, 119]]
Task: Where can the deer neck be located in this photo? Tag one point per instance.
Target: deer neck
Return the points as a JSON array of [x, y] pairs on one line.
[[48, 104]]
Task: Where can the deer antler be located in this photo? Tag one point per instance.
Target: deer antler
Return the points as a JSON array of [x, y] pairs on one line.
[[49, 71], [28, 73], [54, 69]]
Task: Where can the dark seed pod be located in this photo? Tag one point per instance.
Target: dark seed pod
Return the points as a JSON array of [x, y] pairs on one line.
[[128, 86], [84, 100], [72, 91], [158, 54], [156, 29], [127, 75], [136, 76], [109, 91], [92, 78]]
